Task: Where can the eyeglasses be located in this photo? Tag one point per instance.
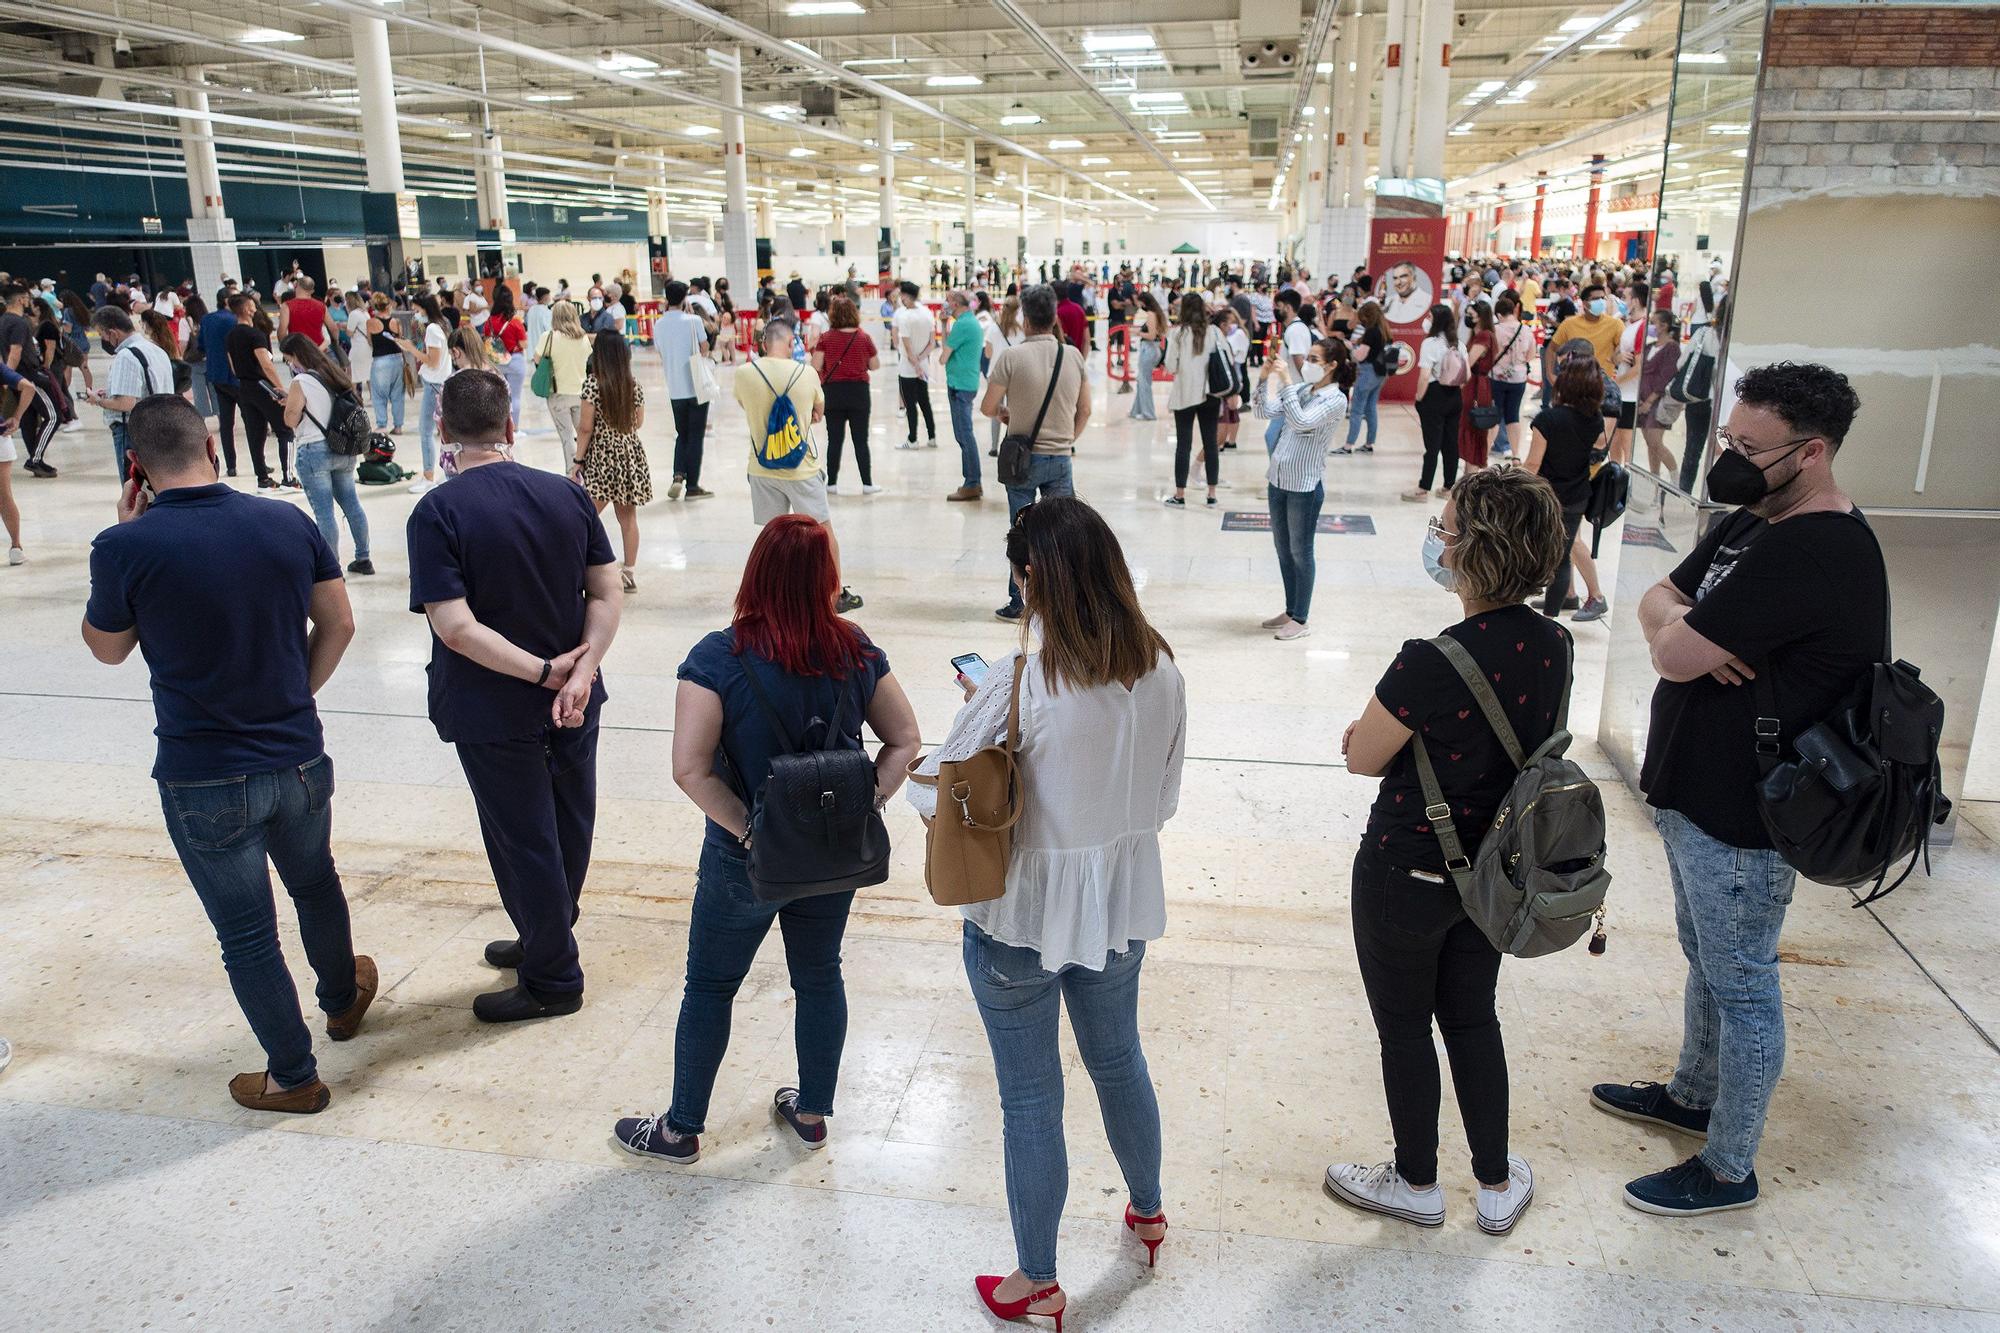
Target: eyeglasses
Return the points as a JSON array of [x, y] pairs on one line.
[[1438, 529], [1744, 447], [1022, 516]]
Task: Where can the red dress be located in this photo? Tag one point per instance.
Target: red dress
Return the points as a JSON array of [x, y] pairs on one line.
[[1478, 389]]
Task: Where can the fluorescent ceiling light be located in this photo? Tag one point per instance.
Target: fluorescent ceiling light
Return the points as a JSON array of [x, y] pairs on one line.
[[549, 97], [1019, 115], [1581, 23], [1729, 129], [459, 134], [1061, 145], [1092, 161], [901, 146], [953, 81], [1151, 99], [1465, 128], [1097, 43], [803, 151], [701, 130], [1324, 67], [1117, 173], [799, 9], [875, 60], [1703, 58], [271, 35], [620, 61], [786, 110]]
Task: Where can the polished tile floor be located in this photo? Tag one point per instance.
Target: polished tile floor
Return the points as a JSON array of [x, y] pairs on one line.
[[464, 1176]]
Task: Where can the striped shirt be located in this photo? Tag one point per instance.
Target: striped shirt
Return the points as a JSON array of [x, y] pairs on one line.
[[1310, 416]]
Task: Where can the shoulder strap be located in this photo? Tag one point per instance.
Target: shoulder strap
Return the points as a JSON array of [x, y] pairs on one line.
[[1482, 693], [764, 701], [305, 403], [1055, 373], [145, 369]]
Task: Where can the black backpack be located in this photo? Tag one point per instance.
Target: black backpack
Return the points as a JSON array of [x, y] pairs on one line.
[[1864, 787], [346, 429], [1610, 488], [1221, 372], [814, 827]]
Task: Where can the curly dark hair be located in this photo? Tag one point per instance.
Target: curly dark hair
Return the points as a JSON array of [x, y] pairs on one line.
[[1812, 399], [1511, 539]]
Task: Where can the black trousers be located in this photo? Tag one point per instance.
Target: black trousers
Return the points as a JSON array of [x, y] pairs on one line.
[[1205, 414], [1420, 957], [1696, 415], [847, 410], [225, 416], [537, 800], [1437, 413], [1559, 590], [690, 432], [264, 415], [917, 396]]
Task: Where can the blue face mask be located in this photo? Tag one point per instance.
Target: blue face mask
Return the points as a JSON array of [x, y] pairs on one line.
[[1597, 305], [1434, 562]]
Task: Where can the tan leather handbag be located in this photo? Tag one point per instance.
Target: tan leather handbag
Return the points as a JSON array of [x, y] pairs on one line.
[[979, 800]]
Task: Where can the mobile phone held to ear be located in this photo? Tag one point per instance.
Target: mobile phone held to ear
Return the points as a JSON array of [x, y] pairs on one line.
[[137, 476], [971, 666]]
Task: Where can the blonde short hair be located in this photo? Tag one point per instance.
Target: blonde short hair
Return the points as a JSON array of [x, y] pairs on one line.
[[1511, 539]]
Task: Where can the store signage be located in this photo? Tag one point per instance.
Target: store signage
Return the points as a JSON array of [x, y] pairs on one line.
[[408, 225], [1634, 203], [150, 226]]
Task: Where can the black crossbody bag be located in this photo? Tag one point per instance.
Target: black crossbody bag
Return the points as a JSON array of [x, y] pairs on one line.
[[1016, 450]]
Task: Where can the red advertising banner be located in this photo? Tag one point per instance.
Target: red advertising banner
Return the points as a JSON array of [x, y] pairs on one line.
[[1406, 255]]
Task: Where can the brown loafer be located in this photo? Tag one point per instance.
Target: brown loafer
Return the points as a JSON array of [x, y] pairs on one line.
[[342, 1026], [306, 1099]]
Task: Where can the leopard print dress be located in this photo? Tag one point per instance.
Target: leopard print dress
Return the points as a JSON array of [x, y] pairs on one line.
[[614, 462]]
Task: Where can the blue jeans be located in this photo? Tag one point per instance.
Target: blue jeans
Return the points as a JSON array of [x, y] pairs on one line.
[[1142, 387], [1018, 1003], [1362, 402], [1507, 397], [1294, 526], [204, 397], [119, 463], [724, 933], [1049, 476], [961, 429], [385, 386], [1729, 905], [515, 372], [223, 830], [427, 424], [329, 479]]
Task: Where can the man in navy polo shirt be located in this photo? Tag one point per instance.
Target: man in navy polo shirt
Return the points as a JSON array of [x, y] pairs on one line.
[[513, 568], [242, 771]]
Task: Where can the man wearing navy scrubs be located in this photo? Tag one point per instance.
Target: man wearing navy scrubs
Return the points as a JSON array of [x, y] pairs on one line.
[[241, 767], [513, 568]]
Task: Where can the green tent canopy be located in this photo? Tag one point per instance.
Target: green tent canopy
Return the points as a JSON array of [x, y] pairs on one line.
[[1185, 249]]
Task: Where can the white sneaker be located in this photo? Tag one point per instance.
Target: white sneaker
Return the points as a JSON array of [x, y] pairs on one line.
[[871, 490], [1292, 631], [1379, 1189], [72, 426], [1279, 621], [419, 486], [16, 556], [1499, 1210]]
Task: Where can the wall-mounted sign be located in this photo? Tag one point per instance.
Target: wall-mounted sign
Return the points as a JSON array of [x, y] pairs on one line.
[[151, 226], [407, 224], [1634, 203]]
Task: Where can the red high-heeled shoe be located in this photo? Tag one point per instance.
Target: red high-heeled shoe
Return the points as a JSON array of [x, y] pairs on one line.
[[1011, 1310], [1132, 1224]]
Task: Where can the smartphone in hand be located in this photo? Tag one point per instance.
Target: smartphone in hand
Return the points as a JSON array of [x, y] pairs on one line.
[[971, 668]]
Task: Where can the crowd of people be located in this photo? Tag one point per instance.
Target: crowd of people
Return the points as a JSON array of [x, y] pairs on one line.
[[514, 571]]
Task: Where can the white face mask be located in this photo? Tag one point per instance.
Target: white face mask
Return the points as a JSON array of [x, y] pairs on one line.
[[596, 303]]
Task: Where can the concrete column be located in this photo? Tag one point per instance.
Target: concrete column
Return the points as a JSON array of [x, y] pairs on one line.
[[493, 179], [1541, 195], [1021, 234], [1433, 91], [1062, 218], [381, 139], [211, 234], [1395, 71], [1319, 133], [885, 139], [971, 203], [739, 250], [1357, 40], [764, 216]]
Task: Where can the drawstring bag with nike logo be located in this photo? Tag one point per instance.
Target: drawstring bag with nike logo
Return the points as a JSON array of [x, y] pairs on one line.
[[785, 441]]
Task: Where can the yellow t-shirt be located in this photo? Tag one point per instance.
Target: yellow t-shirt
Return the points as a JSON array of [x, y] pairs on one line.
[[1601, 333], [570, 356], [758, 385], [1530, 292]]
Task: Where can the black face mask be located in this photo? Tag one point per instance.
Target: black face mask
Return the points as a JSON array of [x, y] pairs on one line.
[[1735, 480]]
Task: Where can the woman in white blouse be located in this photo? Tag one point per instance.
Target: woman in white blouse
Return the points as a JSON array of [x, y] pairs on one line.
[[1306, 413], [1188, 349], [1103, 717]]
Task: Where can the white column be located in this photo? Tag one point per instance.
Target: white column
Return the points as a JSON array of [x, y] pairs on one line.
[[1433, 91], [1319, 132], [211, 233], [381, 140], [1062, 220], [1389, 160], [493, 177], [1344, 234], [1406, 118], [739, 248], [885, 140], [971, 207], [1021, 236], [1360, 83]]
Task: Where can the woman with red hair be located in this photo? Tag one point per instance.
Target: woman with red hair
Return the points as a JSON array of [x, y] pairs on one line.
[[787, 664]]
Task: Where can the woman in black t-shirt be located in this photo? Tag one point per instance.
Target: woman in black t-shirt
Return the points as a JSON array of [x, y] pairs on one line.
[[1562, 441], [1499, 541]]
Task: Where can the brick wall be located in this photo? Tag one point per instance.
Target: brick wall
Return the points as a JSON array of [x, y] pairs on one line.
[[1874, 36]]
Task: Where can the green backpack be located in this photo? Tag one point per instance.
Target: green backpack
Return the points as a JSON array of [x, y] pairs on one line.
[[544, 383]]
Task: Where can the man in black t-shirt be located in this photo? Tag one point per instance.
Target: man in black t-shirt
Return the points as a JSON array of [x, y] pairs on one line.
[[515, 572], [1774, 615]]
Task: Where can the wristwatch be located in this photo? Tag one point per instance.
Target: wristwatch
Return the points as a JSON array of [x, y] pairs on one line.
[[547, 666]]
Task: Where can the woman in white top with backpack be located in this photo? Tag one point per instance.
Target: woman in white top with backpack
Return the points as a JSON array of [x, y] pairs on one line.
[[1189, 346], [1103, 714], [328, 478]]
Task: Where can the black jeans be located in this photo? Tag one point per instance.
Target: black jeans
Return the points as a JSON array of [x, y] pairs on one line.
[[1437, 413], [264, 415], [537, 801], [1696, 416], [1205, 413], [225, 415], [1421, 956], [847, 409], [690, 429], [1559, 590], [917, 396]]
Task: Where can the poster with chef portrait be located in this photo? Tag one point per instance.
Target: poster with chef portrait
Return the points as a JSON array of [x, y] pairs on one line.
[[1407, 254]]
